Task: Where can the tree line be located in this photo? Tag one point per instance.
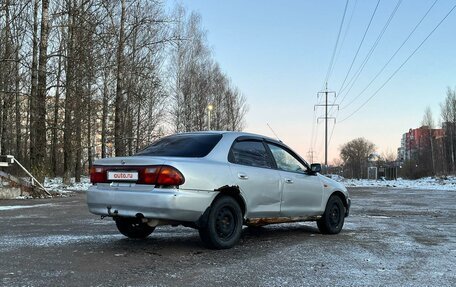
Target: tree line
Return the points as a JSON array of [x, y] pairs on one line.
[[81, 79], [429, 152], [438, 145]]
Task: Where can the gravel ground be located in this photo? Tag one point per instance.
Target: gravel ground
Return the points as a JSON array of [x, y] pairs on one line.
[[392, 237]]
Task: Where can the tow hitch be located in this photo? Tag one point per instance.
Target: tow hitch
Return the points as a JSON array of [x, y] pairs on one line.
[[114, 213]]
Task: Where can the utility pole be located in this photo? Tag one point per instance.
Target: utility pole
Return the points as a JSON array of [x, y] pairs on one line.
[[310, 155], [326, 105]]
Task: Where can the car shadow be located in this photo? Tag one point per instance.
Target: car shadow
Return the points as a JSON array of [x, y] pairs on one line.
[[279, 230], [169, 240]]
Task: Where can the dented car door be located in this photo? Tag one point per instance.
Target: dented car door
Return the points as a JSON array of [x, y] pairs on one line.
[[252, 169]]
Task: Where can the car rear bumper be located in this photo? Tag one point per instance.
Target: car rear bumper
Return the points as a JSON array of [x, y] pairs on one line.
[[166, 204]]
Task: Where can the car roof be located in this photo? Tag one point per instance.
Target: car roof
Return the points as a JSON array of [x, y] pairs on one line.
[[235, 134]]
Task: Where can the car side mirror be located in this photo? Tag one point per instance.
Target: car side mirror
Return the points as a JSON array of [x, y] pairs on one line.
[[315, 167]]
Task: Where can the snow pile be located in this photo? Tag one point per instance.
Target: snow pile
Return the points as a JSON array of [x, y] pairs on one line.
[[426, 183], [335, 177], [56, 185]]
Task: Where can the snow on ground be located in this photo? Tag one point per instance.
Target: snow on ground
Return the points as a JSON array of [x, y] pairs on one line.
[[426, 183], [56, 185], [57, 188], [11, 207], [17, 242]]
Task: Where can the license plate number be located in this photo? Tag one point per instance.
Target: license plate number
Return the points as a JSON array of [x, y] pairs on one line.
[[123, 175]]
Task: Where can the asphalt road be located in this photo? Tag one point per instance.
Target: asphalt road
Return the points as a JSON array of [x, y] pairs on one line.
[[392, 237]]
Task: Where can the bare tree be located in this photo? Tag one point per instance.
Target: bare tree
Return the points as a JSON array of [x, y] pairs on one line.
[[428, 122], [39, 153], [448, 115], [7, 85], [57, 108], [119, 108], [78, 76], [34, 83], [355, 156], [198, 81], [388, 156]]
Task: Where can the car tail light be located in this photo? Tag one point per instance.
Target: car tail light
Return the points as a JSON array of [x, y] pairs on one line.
[[149, 175], [98, 174], [170, 176]]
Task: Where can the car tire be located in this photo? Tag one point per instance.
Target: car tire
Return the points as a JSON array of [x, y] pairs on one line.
[[332, 220], [224, 224], [133, 228]]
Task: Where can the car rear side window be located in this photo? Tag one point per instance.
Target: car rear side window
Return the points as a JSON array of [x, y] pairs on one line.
[[252, 153], [183, 145]]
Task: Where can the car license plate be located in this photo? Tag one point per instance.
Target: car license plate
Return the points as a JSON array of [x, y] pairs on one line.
[[123, 175]]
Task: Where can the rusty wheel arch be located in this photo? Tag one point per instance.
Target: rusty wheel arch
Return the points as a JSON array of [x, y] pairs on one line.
[[234, 192]]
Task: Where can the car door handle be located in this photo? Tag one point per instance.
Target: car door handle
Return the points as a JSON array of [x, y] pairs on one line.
[[287, 180], [243, 176]]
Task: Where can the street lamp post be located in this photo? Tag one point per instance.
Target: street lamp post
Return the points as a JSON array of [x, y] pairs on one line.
[[209, 110]]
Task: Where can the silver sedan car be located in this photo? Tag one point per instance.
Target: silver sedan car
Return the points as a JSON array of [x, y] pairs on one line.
[[215, 182]]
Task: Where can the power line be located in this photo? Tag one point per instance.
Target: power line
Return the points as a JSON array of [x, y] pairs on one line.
[[310, 155], [359, 46], [316, 139], [346, 31], [332, 132], [331, 66], [314, 124], [343, 41], [355, 77], [333, 127], [394, 54], [406, 60], [328, 74]]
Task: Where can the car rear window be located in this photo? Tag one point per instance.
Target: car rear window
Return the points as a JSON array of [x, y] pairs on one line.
[[183, 145], [252, 153]]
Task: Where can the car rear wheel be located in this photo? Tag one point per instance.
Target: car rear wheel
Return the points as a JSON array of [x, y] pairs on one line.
[[333, 219], [133, 228], [224, 225]]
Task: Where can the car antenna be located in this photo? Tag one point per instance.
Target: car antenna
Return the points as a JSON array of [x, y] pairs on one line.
[[273, 132]]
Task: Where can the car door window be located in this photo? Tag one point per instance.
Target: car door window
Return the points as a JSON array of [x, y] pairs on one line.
[[252, 153], [286, 161]]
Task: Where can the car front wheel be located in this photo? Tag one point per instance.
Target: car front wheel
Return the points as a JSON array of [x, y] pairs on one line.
[[224, 225], [333, 219], [133, 228]]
